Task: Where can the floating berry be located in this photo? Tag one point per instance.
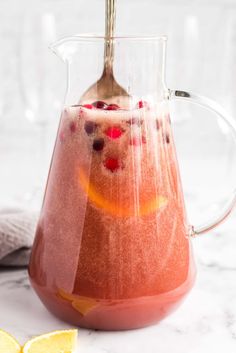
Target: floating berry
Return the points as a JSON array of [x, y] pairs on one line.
[[99, 105], [114, 132], [112, 164], [90, 127], [167, 138], [135, 121], [112, 107], [98, 144], [137, 140], [142, 104], [88, 106], [72, 126]]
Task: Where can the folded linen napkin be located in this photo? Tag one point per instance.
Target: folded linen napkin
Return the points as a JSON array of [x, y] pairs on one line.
[[17, 228]]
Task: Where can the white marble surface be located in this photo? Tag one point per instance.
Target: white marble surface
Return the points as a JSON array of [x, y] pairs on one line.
[[206, 321]]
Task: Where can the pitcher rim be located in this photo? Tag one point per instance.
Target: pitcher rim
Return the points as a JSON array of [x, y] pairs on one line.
[[96, 37]]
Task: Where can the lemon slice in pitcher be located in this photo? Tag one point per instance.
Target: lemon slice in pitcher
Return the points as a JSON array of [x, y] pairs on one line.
[[82, 304], [118, 209]]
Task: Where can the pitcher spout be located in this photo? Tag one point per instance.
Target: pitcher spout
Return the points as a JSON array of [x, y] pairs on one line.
[[64, 48]]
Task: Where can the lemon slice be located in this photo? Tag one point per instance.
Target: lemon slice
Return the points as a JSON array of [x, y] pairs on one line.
[[63, 341], [118, 210], [82, 304], [8, 344]]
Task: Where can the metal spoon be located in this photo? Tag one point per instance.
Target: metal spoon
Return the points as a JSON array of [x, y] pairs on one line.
[[107, 87]]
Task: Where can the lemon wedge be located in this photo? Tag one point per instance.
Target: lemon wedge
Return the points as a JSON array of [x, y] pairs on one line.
[[63, 341], [8, 344]]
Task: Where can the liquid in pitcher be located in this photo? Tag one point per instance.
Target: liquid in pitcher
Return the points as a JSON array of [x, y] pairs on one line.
[[112, 248]]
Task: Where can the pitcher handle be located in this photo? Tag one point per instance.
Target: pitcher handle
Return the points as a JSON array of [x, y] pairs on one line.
[[216, 108]]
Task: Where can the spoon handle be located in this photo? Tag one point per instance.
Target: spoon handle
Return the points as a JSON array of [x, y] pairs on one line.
[[110, 18]]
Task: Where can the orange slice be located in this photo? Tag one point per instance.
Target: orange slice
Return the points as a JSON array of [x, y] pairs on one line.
[[82, 304], [64, 295], [63, 341], [116, 209], [8, 344]]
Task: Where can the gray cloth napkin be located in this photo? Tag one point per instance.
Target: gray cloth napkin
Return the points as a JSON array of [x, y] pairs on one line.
[[17, 228]]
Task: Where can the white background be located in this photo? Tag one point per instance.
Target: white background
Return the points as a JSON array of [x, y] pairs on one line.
[[201, 56]]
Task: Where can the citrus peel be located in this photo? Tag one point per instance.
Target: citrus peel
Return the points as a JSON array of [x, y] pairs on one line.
[[80, 303], [117, 209]]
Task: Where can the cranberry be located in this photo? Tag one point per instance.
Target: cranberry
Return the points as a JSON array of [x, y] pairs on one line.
[[90, 127], [114, 132], [99, 105], [142, 104], [72, 126], [88, 106], [112, 164], [135, 121], [98, 144], [113, 107], [167, 138], [137, 141]]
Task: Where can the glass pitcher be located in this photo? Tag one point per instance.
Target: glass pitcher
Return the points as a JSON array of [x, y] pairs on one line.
[[112, 249]]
